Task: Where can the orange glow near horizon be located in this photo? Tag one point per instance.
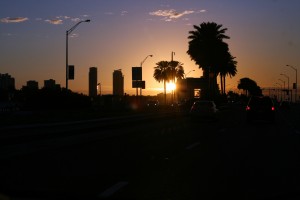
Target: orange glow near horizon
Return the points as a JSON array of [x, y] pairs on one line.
[[171, 86]]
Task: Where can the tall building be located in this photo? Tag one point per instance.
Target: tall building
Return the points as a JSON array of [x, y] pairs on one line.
[[34, 85], [93, 82], [118, 83], [7, 82], [50, 84]]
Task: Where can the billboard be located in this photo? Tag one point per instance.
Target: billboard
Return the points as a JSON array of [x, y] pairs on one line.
[[136, 73]]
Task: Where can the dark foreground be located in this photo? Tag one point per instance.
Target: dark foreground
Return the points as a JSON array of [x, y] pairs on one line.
[[156, 155]]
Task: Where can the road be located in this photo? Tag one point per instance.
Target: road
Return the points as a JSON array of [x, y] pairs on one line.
[[154, 156]]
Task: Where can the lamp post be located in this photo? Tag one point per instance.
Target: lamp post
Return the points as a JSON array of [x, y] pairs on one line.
[[186, 83], [283, 85], [188, 73], [282, 82], [280, 91], [141, 67], [67, 38], [288, 86], [296, 87]]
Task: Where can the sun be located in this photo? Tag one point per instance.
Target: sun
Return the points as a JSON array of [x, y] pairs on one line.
[[171, 86]]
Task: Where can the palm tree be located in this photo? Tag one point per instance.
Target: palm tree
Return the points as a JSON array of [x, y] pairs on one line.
[[161, 74], [207, 49], [250, 86], [175, 71], [228, 69], [166, 71]]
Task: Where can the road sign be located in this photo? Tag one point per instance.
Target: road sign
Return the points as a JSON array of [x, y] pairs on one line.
[[137, 73], [139, 84], [71, 72]]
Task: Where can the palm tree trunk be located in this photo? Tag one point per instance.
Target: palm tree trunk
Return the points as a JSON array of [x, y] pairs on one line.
[[165, 92], [221, 82], [224, 84]]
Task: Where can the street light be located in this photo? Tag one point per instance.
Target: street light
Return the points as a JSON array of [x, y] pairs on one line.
[[67, 41], [186, 83], [141, 67], [288, 78], [296, 81], [280, 90], [283, 86], [288, 86], [282, 82], [188, 73]]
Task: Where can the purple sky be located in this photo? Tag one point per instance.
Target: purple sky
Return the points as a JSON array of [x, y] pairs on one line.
[[264, 37]]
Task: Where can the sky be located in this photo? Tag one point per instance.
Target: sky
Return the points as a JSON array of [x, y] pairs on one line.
[[264, 38]]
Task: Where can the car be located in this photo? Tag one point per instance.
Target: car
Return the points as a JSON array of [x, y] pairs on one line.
[[204, 109], [260, 108], [152, 104]]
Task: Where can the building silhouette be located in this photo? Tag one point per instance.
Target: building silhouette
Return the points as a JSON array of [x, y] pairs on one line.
[[7, 82], [50, 84], [33, 85], [93, 82], [118, 83]]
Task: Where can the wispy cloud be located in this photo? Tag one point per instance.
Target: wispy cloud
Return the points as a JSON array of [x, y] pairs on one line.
[[170, 14], [109, 13], [124, 12], [74, 35], [14, 19], [75, 19], [201, 11], [8, 34], [54, 21]]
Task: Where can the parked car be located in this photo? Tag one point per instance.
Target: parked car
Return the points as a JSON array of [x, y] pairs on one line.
[[260, 108], [204, 110]]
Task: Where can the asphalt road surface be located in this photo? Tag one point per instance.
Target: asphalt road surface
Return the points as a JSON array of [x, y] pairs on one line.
[[154, 156]]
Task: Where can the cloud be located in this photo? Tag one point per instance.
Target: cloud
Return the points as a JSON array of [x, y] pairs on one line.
[[75, 19], [201, 11], [14, 19], [8, 34], [124, 12], [74, 35], [109, 13], [171, 14], [54, 21]]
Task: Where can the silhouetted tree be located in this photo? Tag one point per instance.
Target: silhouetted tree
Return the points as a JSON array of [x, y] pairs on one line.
[[207, 49], [227, 69], [166, 71], [175, 70], [249, 86], [161, 74]]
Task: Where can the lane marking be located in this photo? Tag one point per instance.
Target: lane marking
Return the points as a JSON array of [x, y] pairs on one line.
[[192, 146], [112, 190]]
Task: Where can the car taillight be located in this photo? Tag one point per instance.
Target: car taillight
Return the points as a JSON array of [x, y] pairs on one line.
[[248, 108]]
